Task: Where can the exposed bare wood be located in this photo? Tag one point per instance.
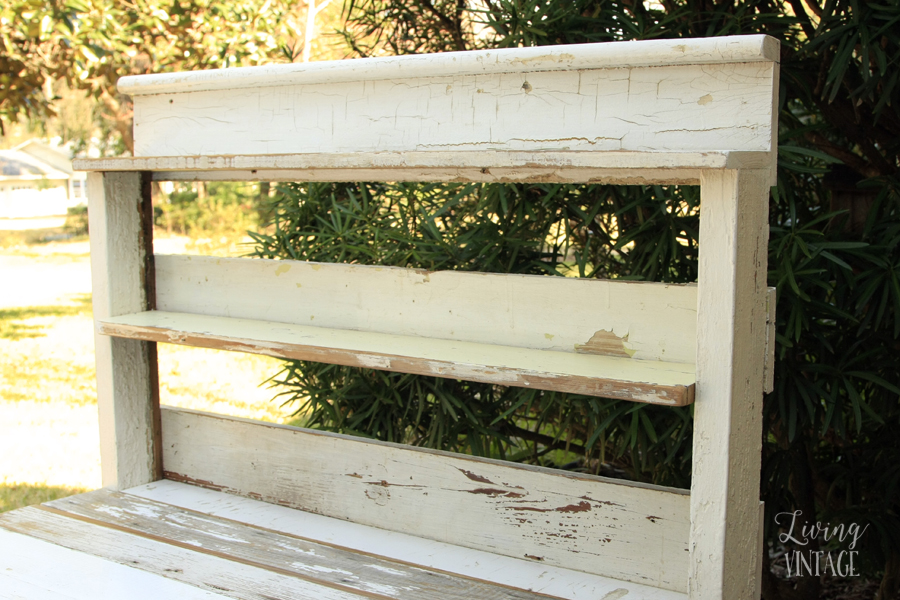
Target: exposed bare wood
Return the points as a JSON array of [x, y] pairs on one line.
[[557, 518]]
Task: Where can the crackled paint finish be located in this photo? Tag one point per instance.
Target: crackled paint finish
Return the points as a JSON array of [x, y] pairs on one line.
[[685, 108]]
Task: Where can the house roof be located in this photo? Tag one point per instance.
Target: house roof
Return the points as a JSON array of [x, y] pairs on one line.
[[22, 164]]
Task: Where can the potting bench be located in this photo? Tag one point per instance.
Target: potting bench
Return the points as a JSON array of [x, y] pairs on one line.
[[199, 505]]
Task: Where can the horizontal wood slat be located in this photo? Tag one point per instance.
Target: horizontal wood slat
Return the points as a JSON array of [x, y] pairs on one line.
[[627, 531], [315, 562], [653, 382], [35, 569], [638, 320], [481, 166], [230, 578], [511, 572]]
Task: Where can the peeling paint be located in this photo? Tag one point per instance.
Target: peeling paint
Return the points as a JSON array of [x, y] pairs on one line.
[[573, 508], [705, 100], [476, 477], [606, 343], [282, 269]]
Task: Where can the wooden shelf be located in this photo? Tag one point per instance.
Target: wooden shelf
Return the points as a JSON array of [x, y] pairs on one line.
[[648, 381]]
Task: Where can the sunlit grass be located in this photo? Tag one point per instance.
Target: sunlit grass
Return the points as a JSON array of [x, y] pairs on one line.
[[31, 321], [49, 435], [17, 495]]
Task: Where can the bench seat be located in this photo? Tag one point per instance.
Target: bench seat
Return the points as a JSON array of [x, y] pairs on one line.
[[170, 539]]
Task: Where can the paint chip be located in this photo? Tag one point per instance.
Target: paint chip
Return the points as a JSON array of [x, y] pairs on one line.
[[282, 269], [606, 343], [705, 100]]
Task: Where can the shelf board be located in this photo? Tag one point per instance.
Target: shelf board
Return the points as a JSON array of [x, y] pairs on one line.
[[654, 382]]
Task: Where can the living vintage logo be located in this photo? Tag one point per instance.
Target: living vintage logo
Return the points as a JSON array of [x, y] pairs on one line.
[[810, 562]]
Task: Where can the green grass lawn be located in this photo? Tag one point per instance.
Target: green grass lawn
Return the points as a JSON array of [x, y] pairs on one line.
[[17, 495]]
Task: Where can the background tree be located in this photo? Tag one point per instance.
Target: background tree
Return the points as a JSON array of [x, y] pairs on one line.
[[89, 44], [830, 445]]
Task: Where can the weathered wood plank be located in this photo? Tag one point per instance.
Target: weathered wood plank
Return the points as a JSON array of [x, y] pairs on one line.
[[122, 281], [227, 577], [638, 320], [649, 381], [728, 410], [340, 567], [479, 166], [670, 108], [34, 569], [579, 522], [522, 573]]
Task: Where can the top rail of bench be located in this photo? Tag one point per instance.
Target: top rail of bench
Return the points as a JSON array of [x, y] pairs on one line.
[[570, 57], [647, 111]]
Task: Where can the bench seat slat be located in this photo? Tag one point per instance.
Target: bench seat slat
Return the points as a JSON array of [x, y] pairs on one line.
[[40, 570], [229, 578], [291, 555]]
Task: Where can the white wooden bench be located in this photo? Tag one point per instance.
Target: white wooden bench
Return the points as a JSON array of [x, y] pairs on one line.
[[199, 505]]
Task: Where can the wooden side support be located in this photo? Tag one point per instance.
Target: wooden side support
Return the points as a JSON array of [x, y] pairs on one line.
[[121, 224], [731, 334]]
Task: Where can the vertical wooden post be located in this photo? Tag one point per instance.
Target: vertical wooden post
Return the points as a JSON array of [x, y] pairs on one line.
[[731, 333], [121, 230]]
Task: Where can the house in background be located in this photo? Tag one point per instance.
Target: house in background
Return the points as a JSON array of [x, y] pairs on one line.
[[37, 180]]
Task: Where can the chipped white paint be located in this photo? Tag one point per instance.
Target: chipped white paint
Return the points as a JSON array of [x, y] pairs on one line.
[[522, 573], [306, 559], [561, 519], [654, 321], [176, 564], [126, 369], [728, 410]]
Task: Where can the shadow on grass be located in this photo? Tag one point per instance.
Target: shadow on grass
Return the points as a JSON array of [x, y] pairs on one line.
[[18, 495], [13, 328]]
